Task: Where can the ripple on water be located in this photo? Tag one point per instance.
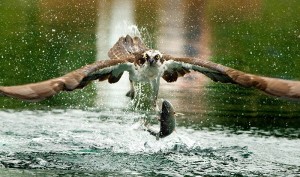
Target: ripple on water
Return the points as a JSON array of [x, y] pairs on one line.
[[112, 142]]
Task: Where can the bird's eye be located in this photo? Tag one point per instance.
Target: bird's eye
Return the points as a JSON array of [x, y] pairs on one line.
[[157, 57], [146, 56]]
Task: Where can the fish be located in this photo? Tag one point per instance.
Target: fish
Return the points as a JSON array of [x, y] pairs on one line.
[[167, 121]]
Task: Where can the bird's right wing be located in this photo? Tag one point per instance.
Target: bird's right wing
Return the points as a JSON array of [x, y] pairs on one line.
[[219, 73], [110, 70]]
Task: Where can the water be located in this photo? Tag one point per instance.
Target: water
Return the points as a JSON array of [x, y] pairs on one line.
[[89, 142], [222, 130]]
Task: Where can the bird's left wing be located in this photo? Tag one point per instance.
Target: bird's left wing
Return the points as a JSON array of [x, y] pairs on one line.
[[110, 70], [219, 73]]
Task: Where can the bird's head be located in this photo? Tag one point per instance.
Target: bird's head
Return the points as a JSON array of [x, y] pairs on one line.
[[152, 58]]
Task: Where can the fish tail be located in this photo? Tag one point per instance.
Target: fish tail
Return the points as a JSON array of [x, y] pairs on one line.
[[157, 135], [152, 132]]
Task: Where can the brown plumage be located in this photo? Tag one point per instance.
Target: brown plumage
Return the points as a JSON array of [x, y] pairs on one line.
[[130, 54]]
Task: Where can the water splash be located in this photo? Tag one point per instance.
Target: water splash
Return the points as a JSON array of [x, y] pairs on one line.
[[133, 30], [104, 141]]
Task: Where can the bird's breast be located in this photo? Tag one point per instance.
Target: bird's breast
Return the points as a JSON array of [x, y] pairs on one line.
[[146, 74]]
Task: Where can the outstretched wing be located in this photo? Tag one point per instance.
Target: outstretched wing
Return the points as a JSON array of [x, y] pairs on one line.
[[273, 86], [110, 70], [122, 53]]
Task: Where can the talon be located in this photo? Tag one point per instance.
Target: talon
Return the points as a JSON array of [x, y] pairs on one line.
[[130, 94], [178, 114]]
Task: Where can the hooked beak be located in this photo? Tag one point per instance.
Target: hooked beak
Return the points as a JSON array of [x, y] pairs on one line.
[[151, 61]]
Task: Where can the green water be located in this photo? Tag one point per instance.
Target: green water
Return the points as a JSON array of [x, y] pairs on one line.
[[268, 36], [222, 130]]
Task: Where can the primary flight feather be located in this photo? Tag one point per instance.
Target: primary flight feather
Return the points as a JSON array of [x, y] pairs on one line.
[[147, 65]]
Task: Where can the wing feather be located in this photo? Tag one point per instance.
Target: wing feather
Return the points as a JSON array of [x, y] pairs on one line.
[[126, 47], [220, 73], [111, 70]]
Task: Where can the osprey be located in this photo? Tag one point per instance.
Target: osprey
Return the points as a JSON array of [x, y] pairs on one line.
[[147, 65]]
